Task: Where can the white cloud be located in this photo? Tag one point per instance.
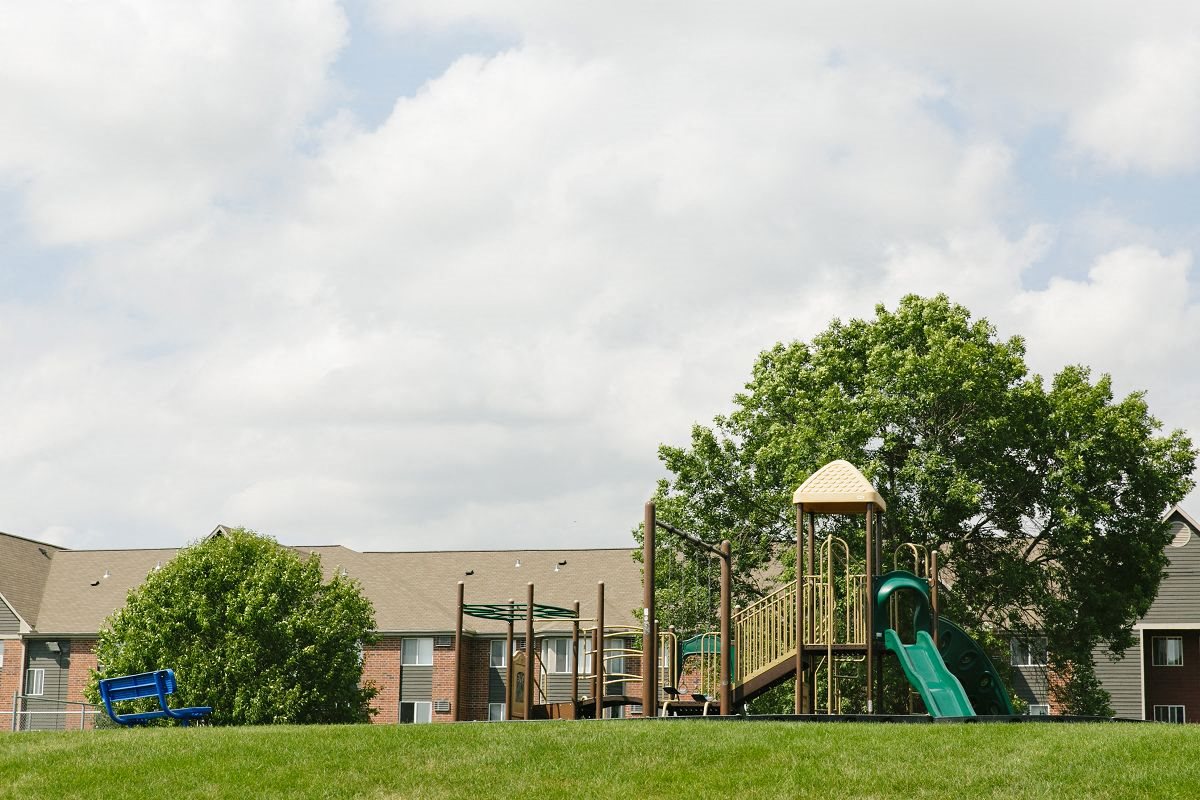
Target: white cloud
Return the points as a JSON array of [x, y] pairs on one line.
[[473, 324], [1150, 118]]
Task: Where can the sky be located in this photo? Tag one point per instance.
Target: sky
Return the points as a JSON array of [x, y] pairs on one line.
[[444, 275]]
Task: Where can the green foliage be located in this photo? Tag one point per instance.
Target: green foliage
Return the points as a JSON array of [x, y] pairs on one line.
[[1045, 502], [250, 629], [1080, 691]]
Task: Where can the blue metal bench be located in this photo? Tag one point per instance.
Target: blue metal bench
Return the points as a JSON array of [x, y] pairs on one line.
[[158, 684]]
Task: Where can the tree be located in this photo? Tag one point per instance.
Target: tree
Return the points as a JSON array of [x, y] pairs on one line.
[[250, 629], [1045, 502]]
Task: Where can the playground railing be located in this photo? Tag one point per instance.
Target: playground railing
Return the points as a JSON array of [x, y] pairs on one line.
[[765, 632]]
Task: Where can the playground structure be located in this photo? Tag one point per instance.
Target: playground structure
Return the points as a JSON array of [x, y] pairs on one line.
[[828, 630]]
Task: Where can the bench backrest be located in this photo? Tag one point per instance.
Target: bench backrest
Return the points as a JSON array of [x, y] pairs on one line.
[[135, 687]]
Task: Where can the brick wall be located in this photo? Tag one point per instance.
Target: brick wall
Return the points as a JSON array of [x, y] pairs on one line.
[[477, 654], [443, 682], [10, 678], [381, 666], [1179, 685], [83, 663]]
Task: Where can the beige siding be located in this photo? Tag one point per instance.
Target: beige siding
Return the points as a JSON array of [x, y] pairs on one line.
[[1030, 684], [55, 666], [1178, 597], [1122, 679]]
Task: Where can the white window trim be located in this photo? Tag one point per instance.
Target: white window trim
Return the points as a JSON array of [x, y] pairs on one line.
[[35, 682], [1168, 707], [550, 660], [500, 708], [1043, 710], [503, 647], [1154, 651], [418, 662], [416, 704], [1029, 651]]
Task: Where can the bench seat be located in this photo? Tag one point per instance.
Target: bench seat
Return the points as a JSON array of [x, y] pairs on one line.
[[157, 684]]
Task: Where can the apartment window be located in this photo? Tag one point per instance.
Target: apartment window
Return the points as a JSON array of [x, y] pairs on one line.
[[556, 655], [1169, 714], [1039, 710], [35, 682], [495, 712], [421, 711], [499, 656], [585, 657], [416, 652], [1168, 652], [1029, 652]]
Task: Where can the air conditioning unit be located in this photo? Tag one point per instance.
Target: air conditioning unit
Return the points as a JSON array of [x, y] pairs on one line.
[[443, 641], [441, 706]]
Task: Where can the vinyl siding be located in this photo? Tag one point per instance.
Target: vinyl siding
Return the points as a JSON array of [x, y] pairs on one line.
[[416, 684], [1122, 679], [1178, 597], [8, 620], [496, 684], [1030, 684], [56, 666]]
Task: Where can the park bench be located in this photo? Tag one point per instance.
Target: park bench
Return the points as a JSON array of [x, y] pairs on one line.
[[157, 684]]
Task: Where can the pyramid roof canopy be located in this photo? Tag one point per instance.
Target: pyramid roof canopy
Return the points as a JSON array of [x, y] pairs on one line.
[[838, 488]]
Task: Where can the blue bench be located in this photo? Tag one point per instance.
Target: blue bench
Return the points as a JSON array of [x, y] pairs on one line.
[[158, 684]]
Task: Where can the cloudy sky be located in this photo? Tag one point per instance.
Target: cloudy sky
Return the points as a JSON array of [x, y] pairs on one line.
[[425, 274]]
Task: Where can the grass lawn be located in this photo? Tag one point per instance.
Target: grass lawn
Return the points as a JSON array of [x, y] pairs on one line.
[[633, 759]]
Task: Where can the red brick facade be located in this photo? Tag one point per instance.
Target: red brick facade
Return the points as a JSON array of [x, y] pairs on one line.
[[381, 666], [1173, 685], [10, 678]]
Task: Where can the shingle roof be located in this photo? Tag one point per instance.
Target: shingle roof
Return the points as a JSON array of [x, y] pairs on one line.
[[24, 566], [412, 592]]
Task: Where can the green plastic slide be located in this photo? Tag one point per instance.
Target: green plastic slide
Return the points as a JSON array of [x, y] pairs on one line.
[[941, 692]]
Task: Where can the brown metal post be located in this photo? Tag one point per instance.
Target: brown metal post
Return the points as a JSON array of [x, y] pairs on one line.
[[726, 627], [575, 655], [530, 672], [458, 648], [933, 596], [870, 615], [800, 677], [598, 655], [649, 640], [508, 668]]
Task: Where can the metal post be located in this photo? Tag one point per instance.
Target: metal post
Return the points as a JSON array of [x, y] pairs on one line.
[[458, 648], [870, 614], [575, 655], [598, 656], [508, 666], [800, 677], [649, 642], [933, 596], [14, 714], [726, 626], [529, 670]]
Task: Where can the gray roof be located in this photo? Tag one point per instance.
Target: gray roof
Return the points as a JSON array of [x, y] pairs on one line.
[[411, 592], [24, 566]]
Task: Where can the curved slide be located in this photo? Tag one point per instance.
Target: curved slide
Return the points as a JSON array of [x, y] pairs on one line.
[[961, 684], [943, 695]]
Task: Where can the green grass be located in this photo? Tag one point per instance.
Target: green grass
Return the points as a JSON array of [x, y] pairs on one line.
[[631, 759]]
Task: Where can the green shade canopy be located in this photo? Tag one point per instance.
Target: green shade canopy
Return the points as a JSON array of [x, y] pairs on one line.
[[512, 612]]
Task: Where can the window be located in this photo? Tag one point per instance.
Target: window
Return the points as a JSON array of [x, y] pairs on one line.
[[585, 657], [1029, 652], [35, 682], [495, 712], [498, 657], [556, 655], [1039, 710], [416, 652], [421, 711], [1168, 652], [1169, 714]]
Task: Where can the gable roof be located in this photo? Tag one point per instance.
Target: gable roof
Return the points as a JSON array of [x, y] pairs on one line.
[[24, 567], [838, 488], [412, 592], [1176, 513]]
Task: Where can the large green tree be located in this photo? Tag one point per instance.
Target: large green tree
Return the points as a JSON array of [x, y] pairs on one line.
[[251, 629], [1045, 499]]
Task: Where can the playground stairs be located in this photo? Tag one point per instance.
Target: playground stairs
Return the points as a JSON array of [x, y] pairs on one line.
[[765, 643]]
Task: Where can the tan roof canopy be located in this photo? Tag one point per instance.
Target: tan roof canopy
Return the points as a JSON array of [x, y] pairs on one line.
[[838, 488]]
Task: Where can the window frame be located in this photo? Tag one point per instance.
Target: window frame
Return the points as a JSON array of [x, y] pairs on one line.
[[415, 704], [1022, 652], [1169, 712], [1043, 709], [420, 648], [497, 708], [1154, 640], [35, 677], [553, 662], [498, 646]]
